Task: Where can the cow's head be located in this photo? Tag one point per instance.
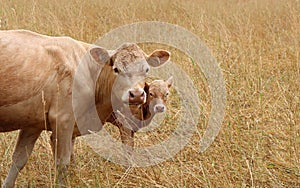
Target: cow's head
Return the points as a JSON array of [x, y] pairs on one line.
[[126, 66]]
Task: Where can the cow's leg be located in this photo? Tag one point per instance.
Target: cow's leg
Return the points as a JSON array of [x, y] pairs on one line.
[[53, 146], [23, 149], [72, 151], [62, 147]]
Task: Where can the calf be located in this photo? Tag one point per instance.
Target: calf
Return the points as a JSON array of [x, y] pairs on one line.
[[140, 116]]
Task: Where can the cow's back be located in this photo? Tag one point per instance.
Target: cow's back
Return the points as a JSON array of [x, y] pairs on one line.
[[29, 60]]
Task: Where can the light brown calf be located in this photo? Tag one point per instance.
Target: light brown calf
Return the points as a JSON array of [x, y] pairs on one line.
[[140, 116], [37, 75]]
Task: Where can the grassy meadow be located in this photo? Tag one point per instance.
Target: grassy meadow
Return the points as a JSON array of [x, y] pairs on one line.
[[257, 44]]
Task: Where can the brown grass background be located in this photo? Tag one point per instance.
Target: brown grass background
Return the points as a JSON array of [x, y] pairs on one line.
[[256, 42]]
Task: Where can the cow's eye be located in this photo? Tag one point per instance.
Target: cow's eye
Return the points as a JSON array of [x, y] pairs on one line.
[[116, 70], [147, 70], [166, 94], [151, 94]]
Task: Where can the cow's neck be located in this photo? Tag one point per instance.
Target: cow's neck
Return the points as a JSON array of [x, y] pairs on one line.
[[103, 91]]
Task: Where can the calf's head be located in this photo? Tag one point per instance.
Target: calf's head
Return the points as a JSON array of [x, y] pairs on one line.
[[157, 95]]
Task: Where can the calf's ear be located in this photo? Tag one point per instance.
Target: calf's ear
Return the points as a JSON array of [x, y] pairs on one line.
[[158, 57], [169, 82], [146, 87], [100, 55]]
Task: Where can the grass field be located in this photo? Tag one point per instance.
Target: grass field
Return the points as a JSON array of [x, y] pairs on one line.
[[257, 44]]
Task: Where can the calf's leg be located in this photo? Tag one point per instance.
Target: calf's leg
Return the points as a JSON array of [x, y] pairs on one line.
[[127, 139], [23, 149], [126, 136]]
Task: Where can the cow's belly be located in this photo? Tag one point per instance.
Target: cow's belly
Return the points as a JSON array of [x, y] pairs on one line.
[[25, 114]]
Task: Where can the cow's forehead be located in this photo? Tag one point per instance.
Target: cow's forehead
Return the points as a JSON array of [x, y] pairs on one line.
[[127, 55], [139, 84]]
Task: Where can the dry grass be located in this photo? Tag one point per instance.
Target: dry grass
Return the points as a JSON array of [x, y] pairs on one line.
[[257, 44]]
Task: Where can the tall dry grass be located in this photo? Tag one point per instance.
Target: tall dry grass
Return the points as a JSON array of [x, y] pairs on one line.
[[257, 44]]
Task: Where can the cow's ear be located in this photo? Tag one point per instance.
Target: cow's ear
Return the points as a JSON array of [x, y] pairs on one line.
[[100, 55], [170, 82], [158, 57]]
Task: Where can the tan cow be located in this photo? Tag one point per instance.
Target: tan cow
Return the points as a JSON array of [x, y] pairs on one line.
[[140, 115], [37, 75]]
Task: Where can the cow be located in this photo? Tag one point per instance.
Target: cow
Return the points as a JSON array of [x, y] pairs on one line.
[[140, 115], [37, 77]]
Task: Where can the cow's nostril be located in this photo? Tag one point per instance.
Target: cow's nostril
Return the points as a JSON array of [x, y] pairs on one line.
[[131, 94]]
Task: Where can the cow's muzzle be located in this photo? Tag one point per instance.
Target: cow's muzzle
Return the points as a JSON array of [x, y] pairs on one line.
[[159, 108], [136, 96]]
